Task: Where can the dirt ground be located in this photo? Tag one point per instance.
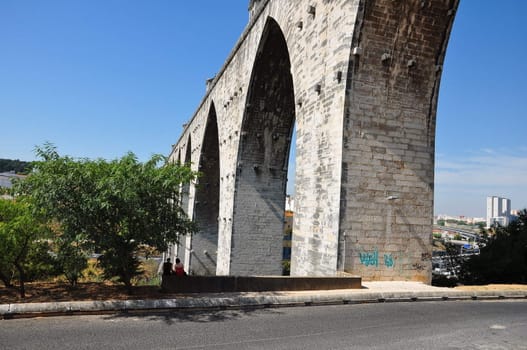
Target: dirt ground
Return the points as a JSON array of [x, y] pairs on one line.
[[49, 292], [510, 287]]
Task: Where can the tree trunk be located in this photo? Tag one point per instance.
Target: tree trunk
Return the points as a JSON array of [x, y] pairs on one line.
[[22, 277], [6, 280], [128, 284]]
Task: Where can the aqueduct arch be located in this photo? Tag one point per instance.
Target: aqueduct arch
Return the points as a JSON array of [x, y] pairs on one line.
[[263, 159], [207, 200], [360, 79]]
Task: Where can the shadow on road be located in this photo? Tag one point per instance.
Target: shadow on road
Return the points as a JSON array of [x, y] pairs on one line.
[[200, 316]]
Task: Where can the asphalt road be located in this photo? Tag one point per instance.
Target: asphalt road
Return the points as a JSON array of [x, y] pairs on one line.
[[417, 325]]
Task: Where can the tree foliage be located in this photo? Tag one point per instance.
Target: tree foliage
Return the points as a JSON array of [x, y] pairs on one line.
[[114, 207], [71, 257], [18, 166], [24, 244], [504, 259]]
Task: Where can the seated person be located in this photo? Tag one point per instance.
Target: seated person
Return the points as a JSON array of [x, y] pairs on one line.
[[167, 267], [178, 268]]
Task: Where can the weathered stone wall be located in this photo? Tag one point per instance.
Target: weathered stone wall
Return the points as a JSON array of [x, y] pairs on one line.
[[389, 132], [320, 56], [362, 87]]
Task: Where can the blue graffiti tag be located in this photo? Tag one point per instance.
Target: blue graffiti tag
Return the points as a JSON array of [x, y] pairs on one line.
[[388, 260], [368, 259]]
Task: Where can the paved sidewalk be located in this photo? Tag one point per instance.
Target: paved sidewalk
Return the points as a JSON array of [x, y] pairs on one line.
[[371, 292]]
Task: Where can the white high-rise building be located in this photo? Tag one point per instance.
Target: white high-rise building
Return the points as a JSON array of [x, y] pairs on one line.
[[498, 211]]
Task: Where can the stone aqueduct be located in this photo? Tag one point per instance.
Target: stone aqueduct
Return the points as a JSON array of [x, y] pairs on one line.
[[359, 79]]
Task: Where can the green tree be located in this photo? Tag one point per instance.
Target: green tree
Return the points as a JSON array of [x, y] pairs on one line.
[[115, 206], [503, 259], [7, 270], [72, 257], [23, 243], [481, 225]]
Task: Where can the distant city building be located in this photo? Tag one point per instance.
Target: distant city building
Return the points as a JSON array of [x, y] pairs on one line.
[[469, 220], [288, 235], [288, 232], [498, 211], [474, 221], [289, 203], [6, 179], [515, 212]]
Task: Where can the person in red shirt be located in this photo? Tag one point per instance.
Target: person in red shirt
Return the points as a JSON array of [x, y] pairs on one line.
[[178, 269]]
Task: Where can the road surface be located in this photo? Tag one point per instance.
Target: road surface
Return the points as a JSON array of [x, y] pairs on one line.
[[417, 325]]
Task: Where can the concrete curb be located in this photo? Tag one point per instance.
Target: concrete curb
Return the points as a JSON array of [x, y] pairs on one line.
[[257, 300]]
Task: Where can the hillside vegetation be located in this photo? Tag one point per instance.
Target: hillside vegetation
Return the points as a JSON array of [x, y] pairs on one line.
[[18, 166]]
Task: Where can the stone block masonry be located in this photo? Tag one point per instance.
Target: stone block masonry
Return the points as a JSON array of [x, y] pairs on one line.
[[359, 80]]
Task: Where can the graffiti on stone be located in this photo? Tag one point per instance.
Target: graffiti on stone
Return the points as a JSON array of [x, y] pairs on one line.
[[388, 260], [369, 258]]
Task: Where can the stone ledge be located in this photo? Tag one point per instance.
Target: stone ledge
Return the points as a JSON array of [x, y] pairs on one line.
[[223, 284]]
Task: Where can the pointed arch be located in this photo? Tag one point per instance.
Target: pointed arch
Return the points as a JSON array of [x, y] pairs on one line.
[[207, 201], [263, 156]]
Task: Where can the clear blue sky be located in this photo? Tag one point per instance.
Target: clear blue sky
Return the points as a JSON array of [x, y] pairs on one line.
[[100, 78]]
